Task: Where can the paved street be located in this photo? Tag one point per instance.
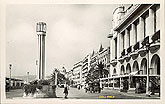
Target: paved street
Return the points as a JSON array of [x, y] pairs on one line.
[[74, 93], [14, 93]]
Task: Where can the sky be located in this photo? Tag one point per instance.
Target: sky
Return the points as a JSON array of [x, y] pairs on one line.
[[73, 31]]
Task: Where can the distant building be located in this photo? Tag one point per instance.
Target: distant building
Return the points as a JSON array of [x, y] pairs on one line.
[[70, 76], [134, 28], [94, 59], [104, 59], [13, 83], [77, 73], [85, 69]]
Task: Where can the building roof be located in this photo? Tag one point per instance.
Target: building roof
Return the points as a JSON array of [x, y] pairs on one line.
[[101, 48]]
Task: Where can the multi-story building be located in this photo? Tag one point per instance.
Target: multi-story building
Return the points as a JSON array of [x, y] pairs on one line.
[[85, 69], [70, 74], [77, 73], [104, 59], [100, 60], [135, 43], [13, 83], [93, 59]]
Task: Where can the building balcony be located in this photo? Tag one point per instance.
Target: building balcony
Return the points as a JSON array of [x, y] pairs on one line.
[[136, 46], [127, 57], [135, 53], [156, 37], [145, 41], [155, 44], [142, 51], [113, 62], [114, 75], [129, 49], [121, 59], [123, 52]]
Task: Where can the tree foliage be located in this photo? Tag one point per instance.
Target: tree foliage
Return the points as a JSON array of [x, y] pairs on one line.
[[60, 77], [96, 72]]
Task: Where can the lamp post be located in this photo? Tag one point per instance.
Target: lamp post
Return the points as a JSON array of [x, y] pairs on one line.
[[27, 76], [37, 71], [10, 65], [148, 70], [55, 82], [55, 78]]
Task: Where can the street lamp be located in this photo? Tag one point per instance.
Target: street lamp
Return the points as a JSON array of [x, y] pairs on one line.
[[10, 65], [147, 45], [55, 77], [27, 76]]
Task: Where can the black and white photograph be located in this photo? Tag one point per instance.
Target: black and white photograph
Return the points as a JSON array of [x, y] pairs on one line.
[[83, 51]]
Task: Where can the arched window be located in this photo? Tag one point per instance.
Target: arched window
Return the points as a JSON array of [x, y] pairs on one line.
[[114, 71], [135, 66], [155, 65], [128, 68], [122, 70], [143, 66]]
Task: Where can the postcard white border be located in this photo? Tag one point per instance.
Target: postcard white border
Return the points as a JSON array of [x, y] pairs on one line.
[[3, 4]]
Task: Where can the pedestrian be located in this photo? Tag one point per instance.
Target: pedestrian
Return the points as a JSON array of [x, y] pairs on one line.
[[78, 87], [26, 90], [66, 90]]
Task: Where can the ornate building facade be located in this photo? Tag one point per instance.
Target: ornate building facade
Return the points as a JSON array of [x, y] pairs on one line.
[[135, 43]]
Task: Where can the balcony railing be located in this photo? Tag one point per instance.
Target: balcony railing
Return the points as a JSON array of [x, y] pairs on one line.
[[136, 46], [156, 36], [145, 41], [115, 57], [129, 49], [123, 52]]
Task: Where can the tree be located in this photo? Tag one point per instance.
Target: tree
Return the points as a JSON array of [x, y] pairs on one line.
[[60, 77], [101, 70], [96, 72], [53, 79]]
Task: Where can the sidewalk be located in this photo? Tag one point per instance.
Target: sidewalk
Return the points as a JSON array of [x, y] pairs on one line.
[[132, 93]]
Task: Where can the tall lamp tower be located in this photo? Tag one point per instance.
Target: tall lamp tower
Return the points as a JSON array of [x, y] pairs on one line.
[[41, 32]]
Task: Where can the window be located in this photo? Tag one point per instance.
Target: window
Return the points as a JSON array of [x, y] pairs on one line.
[[115, 48], [129, 29], [136, 24], [123, 41]]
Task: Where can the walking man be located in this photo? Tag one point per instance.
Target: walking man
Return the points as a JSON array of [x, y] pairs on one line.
[[66, 90]]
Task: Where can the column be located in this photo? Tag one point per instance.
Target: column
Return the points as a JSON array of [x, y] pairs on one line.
[[40, 58], [126, 39], [157, 18], [121, 44], [113, 83], [129, 83], [112, 49], [43, 57], [132, 35], [140, 29], [118, 45], [41, 32], [150, 23], [120, 83]]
